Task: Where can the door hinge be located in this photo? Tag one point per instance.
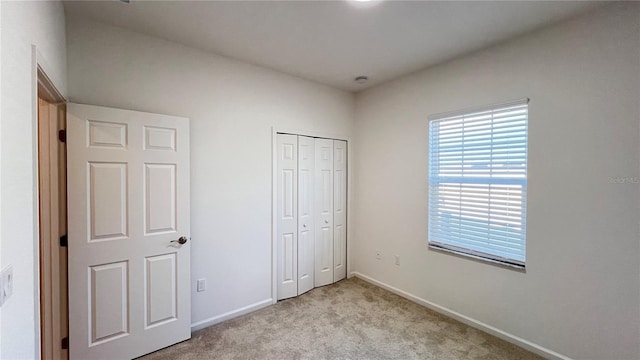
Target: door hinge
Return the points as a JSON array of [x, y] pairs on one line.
[[64, 241], [62, 135], [65, 343]]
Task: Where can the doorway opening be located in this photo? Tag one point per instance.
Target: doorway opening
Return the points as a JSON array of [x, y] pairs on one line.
[[52, 205]]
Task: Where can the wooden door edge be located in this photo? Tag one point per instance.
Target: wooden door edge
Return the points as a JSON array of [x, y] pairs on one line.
[[51, 170]]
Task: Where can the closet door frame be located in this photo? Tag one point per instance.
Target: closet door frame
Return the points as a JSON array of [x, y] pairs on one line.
[[274, 197]]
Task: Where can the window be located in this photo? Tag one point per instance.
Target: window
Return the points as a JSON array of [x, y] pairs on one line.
[[478, 182]]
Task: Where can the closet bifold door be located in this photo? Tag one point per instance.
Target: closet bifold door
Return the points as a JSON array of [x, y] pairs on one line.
[[324, 212], [340, 210], [306, 194], [287, 208]]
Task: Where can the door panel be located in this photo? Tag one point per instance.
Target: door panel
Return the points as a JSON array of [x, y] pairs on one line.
[[288, 258], [324, 212], [108, 201], [340, 210], [160, 198], [306, 161], [287, 247], [128, 191], [161, 295], [156, 138], [109, 301], [107, 134]]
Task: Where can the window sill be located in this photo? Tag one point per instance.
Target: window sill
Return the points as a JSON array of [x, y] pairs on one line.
[[477, 257]]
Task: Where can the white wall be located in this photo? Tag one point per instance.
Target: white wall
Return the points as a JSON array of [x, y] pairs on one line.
[[580, 293], [24, 24], [0, 166], [232, 107]]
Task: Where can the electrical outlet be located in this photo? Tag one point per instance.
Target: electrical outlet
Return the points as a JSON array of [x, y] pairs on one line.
[[6, 284], [398, 260], [201, 285], [378, 255]]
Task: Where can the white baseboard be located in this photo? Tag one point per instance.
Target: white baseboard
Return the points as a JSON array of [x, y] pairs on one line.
[[230, 315], [528, 345]]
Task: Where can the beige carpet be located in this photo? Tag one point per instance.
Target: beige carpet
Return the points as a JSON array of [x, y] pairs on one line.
[[348, 320]]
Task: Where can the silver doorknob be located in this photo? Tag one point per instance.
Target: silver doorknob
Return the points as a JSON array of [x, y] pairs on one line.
[[326, 221], [182, 240], [304, 225]]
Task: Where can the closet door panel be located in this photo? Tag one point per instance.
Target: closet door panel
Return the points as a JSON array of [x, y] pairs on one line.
[[306, 195], [340, 210], [324, 197], [287, 206]]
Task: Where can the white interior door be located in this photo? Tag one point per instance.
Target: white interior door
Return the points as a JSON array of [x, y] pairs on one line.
[[306, 194], [340, 210], [128, 189], [324, 212], [287, 242]]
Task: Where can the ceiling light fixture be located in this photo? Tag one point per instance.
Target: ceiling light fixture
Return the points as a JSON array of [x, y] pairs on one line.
[[364, 3], [361, 79], [370, 2]]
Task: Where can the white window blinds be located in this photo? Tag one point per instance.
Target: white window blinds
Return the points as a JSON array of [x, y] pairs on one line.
[[478, 182]]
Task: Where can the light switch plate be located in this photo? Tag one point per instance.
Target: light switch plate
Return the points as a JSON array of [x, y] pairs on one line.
[[6, 284], [3, 296], [201, 285]]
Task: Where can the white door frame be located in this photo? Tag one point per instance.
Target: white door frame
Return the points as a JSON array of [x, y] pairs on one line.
[[52, 274], [274, 193], [38, 64]]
